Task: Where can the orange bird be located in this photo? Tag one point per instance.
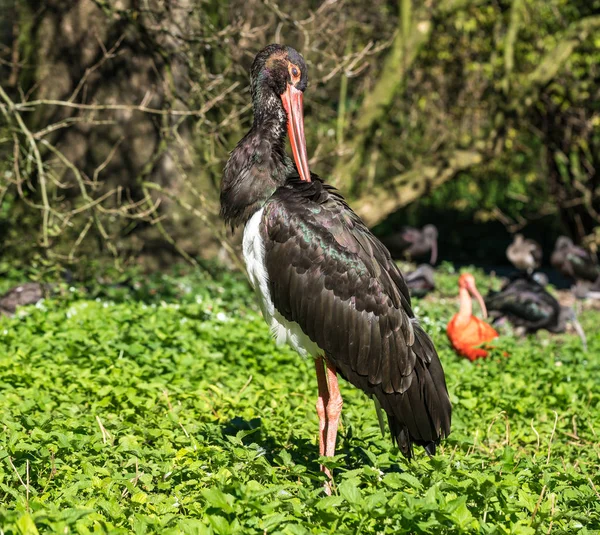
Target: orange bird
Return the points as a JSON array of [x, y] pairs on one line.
[[465, 331]]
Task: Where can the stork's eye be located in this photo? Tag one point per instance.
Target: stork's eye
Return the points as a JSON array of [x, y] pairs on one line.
[[294, 73]]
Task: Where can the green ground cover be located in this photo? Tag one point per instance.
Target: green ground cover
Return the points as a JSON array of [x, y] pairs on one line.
[[164, 407]]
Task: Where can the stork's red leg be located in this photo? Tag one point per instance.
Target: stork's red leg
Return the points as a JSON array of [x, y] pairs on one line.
[[333, 410], [329, 408], [322, 401]]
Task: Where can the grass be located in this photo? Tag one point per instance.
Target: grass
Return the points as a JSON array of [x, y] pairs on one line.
[[165, 407]]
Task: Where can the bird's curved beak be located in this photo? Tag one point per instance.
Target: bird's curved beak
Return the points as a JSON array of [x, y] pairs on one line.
[[475, 293], [293, 103], [433, 258]]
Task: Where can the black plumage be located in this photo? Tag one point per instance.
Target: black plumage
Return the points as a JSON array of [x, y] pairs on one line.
[[326, 271], [526, 303], [574, 261], [421, 281], [329, 274]]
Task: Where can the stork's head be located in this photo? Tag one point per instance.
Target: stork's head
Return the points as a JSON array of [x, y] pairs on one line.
[[279, 77]]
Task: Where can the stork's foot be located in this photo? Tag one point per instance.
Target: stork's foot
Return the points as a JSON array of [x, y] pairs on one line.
[[328, 484]]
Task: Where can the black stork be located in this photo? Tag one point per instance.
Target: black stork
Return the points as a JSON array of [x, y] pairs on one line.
[[525, 254], [326, 285], [414, 243], [529, 306], [421, 281], [574, 261]]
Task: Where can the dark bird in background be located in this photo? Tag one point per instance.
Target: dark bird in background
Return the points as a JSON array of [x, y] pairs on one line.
[[525, 254], [25, 294], [413, 243], [593, 291], [421, 281], [586, 289], [326, 285], [528, 305], [574, 261]]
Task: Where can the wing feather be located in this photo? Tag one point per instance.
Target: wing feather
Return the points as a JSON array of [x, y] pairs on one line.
[[329, 274]]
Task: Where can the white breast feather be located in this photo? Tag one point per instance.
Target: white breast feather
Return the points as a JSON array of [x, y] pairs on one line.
[[283, 330]]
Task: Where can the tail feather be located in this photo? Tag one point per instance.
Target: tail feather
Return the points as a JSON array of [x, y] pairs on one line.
[[421, 412], [421, 415]]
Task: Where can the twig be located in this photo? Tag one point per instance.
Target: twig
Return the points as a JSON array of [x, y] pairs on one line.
[[107, 160], [552, 436], [552, 511], [38, 159], [246, 384], [27, 106], [107, 54], [21, 480], [165, 234], [166, 394], [536, 434], [537, 505], [80, 238], [134, 480], [184, 430], [106, 436], [501, 413], [68, 122], [224, 242]]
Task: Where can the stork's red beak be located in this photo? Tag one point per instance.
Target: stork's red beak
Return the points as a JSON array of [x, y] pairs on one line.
[[292, 102]]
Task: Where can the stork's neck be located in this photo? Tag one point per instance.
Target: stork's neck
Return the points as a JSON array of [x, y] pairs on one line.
[[270, 118], [258, 165], [465, 310]]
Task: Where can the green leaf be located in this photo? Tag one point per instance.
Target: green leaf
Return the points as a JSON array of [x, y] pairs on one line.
[[139, 497], [26, 525], [349, 490], [402, 480], [273, 520], [528, 500], [330, 502], [217, 498], [461, 515], [219, 525]]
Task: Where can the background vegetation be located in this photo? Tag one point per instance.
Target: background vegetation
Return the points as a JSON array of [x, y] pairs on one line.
[[163, 406], [116, 118]]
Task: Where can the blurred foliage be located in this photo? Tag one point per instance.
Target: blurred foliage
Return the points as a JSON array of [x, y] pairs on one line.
[[488, 110]]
